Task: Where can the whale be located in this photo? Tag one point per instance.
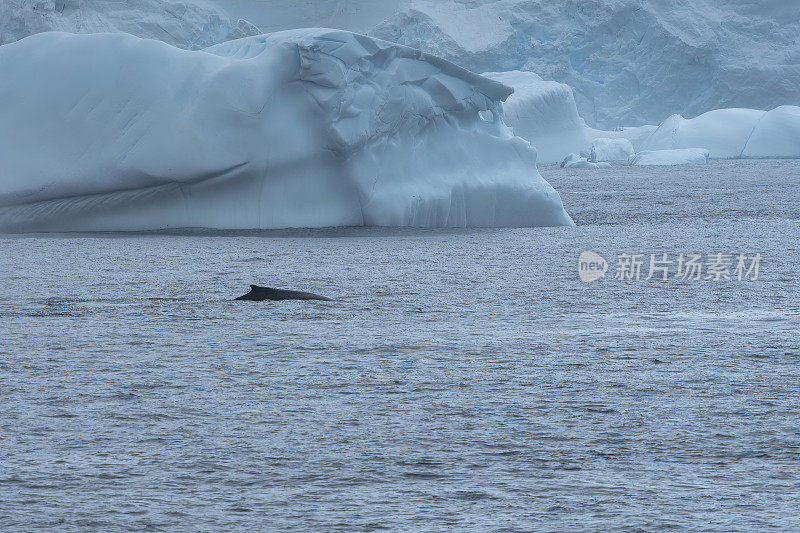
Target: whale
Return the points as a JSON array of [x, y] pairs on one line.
[[261, 294]]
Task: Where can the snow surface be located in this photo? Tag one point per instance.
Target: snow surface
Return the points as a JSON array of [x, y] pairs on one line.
[[733, 133], [611, 150], [686, 156], [187, 24], [544, 113], [305, 128]]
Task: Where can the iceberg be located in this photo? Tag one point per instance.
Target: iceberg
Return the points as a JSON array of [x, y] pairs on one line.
[[302, 128], [733, 133], [777, 135], [611, 150], [544, 113], [636, 135], [576, 161], [685, 156]]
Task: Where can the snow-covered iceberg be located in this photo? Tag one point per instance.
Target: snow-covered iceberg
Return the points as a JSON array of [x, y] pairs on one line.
[[305, 128], [685, 156], [733, 133], [544, 113]]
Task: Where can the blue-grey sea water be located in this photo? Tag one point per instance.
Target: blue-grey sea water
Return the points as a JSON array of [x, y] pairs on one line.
[[462, 379]]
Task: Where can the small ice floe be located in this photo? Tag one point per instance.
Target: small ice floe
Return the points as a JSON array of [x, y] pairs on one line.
[[686, 156]]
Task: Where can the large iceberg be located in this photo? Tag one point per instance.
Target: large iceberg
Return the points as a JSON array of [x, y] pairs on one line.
[[305, 128], [733, 133]]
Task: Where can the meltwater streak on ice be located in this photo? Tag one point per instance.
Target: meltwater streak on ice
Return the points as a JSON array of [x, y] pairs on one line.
[[465, 379], [305, 128]]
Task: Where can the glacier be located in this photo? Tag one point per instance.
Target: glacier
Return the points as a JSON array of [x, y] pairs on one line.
[[186, 24], [630, 62], [301, 128]]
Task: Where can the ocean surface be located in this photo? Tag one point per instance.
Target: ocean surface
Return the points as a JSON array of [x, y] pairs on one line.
[[462, 379]]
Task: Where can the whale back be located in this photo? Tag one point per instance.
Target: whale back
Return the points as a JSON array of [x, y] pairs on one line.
[[260, 294]]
